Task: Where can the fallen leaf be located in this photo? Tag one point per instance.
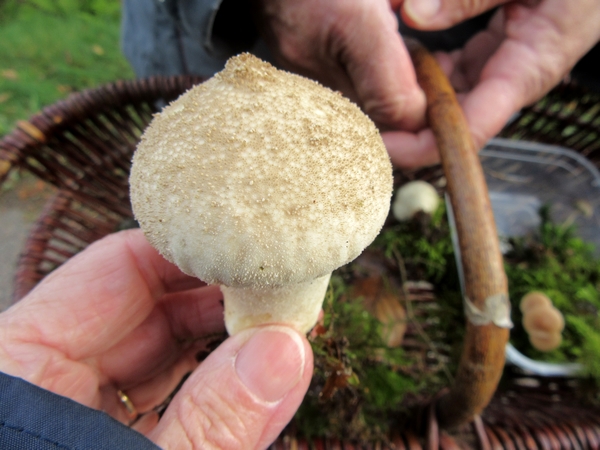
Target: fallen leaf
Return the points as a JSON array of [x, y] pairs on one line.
[[392, 315], [4, 96], [4, 167], [384, 303], [98, 50], [10, 74]]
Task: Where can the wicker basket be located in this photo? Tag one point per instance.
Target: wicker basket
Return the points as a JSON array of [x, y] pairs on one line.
[[83, 146]]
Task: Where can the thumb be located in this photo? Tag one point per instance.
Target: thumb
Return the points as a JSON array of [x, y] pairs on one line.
[[242, 395], [441, 14]]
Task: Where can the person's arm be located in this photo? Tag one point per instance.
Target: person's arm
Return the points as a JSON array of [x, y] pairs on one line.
[[34, 418]]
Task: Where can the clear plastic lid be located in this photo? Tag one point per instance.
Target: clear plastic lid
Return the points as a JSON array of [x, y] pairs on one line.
[[523, 176]]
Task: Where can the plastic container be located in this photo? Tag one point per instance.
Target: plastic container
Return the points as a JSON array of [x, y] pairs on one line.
[[522, 177]]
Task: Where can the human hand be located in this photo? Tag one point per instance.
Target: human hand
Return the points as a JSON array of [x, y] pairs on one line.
[[528, 47], [120, 317], [348, 45]]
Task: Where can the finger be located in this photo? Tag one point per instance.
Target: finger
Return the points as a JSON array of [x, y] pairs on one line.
[[550, 38], [154, 392], [490, 92], [159, 341], [442, 14], [151, 392], [146, 423], [194, 313], [98, 297], [411, 150], [242, 395], [380, 69]]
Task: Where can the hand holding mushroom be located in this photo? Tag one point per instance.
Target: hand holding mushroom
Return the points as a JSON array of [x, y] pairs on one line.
[[262, 182], [119, 317]]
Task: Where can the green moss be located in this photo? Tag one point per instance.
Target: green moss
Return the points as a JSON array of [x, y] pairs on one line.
[[361, 386], [356, 387], [564, 267], [424, 245]]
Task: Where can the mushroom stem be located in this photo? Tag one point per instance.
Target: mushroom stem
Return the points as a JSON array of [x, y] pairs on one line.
[[297, 305]]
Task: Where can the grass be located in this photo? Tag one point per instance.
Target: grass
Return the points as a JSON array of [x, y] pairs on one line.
[[49, 48]]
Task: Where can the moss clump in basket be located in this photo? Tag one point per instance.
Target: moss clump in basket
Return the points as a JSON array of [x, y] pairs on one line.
[[564, 267], [360, 385], [357, 383]]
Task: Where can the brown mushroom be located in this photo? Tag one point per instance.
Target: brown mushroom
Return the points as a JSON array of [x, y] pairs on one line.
[[542, 321], [534, 299]]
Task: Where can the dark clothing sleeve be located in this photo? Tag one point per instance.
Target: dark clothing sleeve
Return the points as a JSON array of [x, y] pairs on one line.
[[174, 37], [32, 418]]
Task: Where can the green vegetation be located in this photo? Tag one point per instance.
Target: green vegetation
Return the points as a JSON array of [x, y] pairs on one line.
[[361, 385], [49, 48], [561, 265], [357, 384]]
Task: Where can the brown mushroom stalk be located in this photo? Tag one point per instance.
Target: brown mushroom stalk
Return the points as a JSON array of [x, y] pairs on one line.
[[263, 182]]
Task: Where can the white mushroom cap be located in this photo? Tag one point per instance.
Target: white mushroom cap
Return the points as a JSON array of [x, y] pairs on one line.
[[260, 178], [413, 197]]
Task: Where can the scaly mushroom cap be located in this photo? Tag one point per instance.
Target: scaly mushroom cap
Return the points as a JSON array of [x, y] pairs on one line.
[[259, 177]]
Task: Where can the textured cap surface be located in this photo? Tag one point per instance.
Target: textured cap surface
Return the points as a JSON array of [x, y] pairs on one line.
[[259, 177]]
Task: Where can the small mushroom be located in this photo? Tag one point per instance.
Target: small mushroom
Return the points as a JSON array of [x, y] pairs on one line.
[[542, 321], [413, 197], [543, 318], [263, 182], [533, 300], [545, 342]]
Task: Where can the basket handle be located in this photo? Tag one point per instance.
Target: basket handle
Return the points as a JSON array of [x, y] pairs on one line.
[[487, 308]]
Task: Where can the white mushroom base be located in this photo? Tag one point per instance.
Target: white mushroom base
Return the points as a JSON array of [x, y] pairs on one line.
[[296, 305]]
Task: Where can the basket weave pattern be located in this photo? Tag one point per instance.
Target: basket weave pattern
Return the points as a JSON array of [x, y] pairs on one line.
[[83, 146]]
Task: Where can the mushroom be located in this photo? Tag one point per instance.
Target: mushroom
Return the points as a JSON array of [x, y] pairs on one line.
[[545, 342], [542, 321], [533, 300], [263, 182], [413, 197]]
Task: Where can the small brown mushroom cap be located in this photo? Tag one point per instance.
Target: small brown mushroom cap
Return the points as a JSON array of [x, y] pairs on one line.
[[259, 177], [534, 299], [545, 342], [543, 318]]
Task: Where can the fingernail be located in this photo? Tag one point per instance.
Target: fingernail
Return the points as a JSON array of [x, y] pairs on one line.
[[271, 362], [421, 11]]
